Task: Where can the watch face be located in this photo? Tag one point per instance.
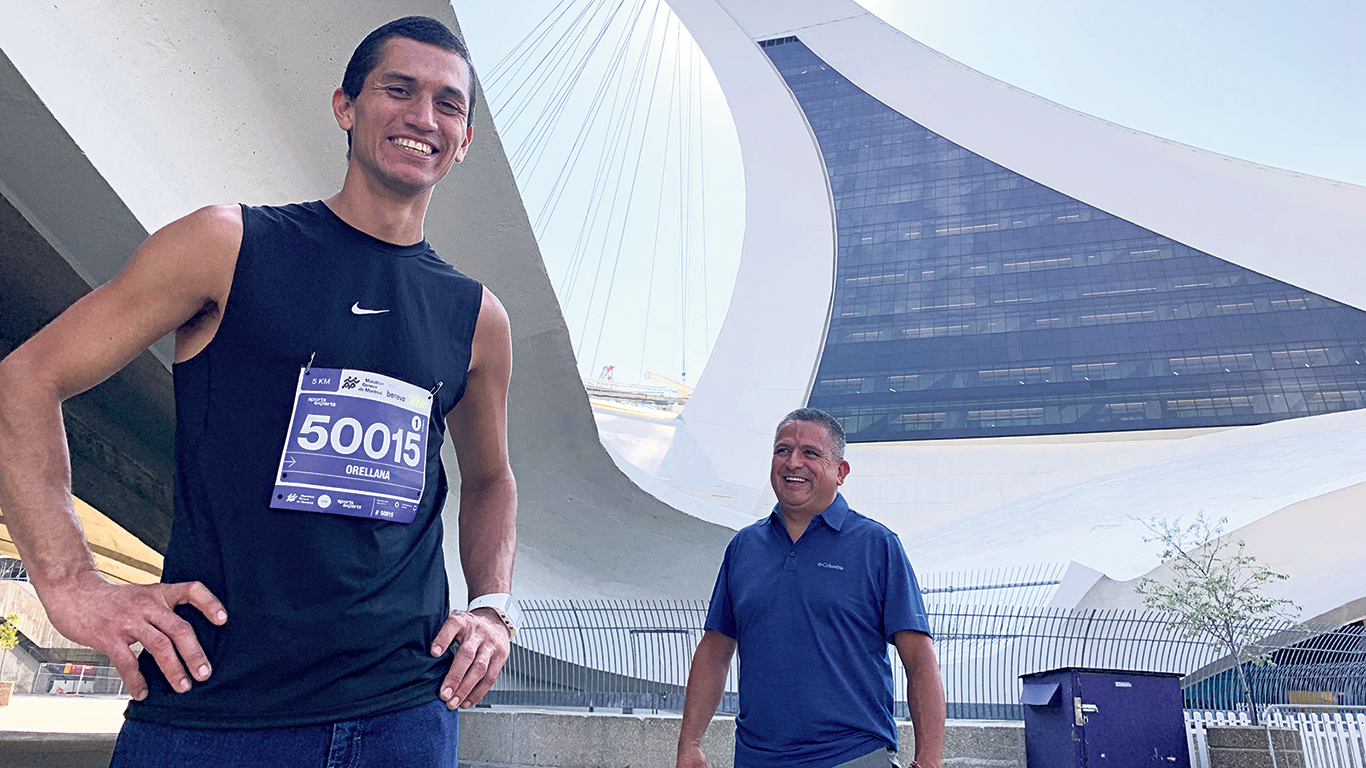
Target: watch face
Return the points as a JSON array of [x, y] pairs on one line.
[[514, 612]]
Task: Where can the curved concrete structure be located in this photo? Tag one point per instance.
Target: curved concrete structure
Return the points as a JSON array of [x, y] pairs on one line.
[[763, 364], [985, 502], [1322, 584], [120, 117], [786, 276]]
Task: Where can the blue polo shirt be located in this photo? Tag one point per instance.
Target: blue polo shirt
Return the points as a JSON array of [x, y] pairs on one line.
[[812, 621]]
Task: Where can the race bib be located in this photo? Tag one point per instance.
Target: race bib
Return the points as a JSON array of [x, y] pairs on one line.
[[357, 445]]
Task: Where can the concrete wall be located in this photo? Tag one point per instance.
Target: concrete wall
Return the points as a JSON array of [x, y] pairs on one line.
[[582, 740], [531, 739]]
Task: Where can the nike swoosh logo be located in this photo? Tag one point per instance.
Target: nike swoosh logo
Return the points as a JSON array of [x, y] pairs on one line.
[[356, 309]]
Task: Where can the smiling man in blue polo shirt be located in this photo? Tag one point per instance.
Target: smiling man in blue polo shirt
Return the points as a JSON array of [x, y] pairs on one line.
[[811, 596]]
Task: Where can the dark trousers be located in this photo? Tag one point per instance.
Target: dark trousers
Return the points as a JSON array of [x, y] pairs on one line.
[[422, 737]]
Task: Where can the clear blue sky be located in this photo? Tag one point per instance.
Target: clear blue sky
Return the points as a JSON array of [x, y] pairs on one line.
[[1274, 83], [1278, 83]]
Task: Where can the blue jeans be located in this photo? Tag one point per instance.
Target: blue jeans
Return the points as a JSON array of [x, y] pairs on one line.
[[424, 737]]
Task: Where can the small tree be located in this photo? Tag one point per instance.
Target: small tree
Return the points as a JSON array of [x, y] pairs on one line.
[[9, 638], [1215, 592]]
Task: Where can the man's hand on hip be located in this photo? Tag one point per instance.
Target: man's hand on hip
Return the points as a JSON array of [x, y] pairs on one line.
[[483, 646], [111, 617]]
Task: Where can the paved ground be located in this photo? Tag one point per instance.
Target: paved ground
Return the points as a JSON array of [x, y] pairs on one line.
[[29, 713]]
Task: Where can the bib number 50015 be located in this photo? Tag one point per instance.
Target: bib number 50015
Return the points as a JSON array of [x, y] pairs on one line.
[[348, 435], [356, 445]]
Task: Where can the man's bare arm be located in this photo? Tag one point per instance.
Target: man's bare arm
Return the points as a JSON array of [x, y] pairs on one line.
[[488, 510], [925, 695], [182, 269], [706, 685]]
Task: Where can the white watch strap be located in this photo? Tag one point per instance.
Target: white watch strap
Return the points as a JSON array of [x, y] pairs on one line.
[[503, 604]]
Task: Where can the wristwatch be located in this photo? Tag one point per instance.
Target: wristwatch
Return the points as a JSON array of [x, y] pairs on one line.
[[504, 605]]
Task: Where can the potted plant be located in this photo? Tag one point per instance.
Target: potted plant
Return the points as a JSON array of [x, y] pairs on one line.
[[9, 637]]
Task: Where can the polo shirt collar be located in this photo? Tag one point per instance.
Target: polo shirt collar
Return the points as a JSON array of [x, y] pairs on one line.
[[833, 516], [837, 513]]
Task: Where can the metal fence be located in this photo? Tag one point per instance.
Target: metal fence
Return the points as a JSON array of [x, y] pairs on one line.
[[12, 569], [636, 655], [604, 654], [87, 679], [1026, 586]]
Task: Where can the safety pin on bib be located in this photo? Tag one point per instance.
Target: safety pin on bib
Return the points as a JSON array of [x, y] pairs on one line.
[[308, 368]]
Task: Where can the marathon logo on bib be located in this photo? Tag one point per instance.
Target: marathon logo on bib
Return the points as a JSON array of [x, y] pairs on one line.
[[357, 446]]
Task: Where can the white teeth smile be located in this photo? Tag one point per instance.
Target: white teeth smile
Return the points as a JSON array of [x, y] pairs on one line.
[[795, 479], [418, 146]]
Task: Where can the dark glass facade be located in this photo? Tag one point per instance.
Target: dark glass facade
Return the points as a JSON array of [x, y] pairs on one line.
[[971, 301]]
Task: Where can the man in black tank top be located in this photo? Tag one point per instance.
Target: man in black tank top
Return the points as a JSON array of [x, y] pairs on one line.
[[322, 351]]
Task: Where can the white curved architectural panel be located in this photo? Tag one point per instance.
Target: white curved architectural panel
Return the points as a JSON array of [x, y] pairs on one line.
[[1322, 568], [1096, 517], [1158, 185], [177, 106], [1047, 493], [247, 118], [1300, 229], [768, 348]]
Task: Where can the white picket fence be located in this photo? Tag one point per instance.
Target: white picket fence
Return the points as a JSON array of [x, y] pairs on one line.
[[1333, 737], [1197, 734]]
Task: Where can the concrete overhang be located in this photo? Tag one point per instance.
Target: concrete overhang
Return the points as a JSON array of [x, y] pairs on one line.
[[59, 223], [122, 117]]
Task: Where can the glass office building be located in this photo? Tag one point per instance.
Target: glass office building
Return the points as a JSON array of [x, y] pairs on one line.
[[971, 301]]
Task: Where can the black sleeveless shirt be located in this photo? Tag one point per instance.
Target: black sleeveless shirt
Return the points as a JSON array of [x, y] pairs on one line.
[[329, 617]]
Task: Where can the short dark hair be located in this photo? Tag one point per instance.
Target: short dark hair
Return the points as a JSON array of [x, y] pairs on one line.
[[817, 416], [423, 29]]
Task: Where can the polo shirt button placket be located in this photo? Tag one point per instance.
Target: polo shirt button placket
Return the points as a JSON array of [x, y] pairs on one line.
[[791, 564]]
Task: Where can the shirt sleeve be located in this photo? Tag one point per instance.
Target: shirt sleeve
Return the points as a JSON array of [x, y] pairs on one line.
[[903, 607], [720, 615]]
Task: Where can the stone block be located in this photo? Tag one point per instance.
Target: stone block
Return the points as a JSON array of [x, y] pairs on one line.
[[1247, 747], [972, 744]]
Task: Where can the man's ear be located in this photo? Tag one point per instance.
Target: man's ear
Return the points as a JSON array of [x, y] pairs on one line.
[[842, 472], [343, 109], [465, 145]]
